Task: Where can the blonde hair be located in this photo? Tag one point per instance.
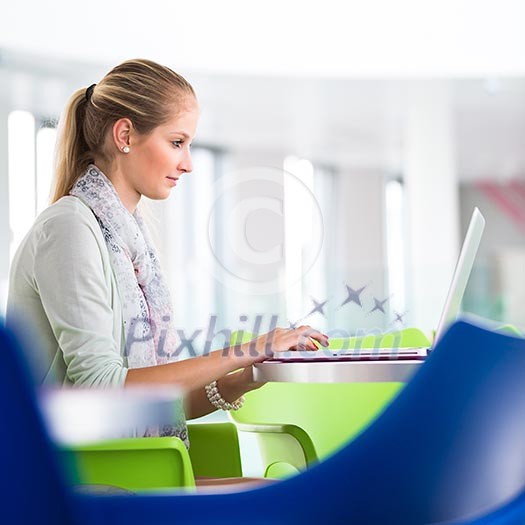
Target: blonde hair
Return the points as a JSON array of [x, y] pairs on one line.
[[141, 90]]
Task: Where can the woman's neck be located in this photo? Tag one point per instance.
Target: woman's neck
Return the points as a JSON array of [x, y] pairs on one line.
[[129, 197]]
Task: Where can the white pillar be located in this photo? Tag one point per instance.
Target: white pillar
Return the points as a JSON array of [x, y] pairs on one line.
[[5, 234], [431, 201], [249, 264], [359, 253]]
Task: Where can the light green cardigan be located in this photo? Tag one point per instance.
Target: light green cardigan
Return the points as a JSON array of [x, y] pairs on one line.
[[63, 290]]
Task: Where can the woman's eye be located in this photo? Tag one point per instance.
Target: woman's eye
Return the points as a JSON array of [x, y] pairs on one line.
[[178, 143]]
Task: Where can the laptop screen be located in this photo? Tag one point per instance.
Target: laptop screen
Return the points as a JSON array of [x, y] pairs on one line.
[[461, 273]]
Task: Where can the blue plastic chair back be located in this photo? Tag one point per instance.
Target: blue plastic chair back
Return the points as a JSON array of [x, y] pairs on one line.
[[31, 487], [450, 446]]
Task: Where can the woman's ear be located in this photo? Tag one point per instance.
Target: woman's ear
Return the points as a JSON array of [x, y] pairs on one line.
[[122, 129]]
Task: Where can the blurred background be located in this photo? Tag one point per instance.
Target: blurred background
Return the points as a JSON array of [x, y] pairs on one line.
[[341, 150]]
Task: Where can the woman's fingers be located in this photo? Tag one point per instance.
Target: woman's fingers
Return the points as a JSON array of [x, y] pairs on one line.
[[307, 344], [308, 332], [305, 338], [281, 339]]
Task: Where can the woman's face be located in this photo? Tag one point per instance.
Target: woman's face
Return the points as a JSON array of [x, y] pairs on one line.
[[157, 160]]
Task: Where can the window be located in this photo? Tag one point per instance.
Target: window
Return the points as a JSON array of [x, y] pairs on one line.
[[21, 173], [307, 197], [45, 145], [395, 250], [298, 189], [187, 256]]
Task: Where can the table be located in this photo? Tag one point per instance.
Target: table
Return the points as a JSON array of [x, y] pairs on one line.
[[337, 372]]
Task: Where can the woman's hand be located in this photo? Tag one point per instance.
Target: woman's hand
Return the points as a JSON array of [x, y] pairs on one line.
[[278, 340], [233, 386], [246, 381]]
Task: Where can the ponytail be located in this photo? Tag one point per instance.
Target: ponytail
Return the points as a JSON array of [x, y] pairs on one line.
[[72, 153]]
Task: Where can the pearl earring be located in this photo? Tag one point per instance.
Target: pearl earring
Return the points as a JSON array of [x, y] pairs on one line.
[[125, 149]]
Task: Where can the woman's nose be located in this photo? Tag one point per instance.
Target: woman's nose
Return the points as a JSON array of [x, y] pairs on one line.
[[186, 163]]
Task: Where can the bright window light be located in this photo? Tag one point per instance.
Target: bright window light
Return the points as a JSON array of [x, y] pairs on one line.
[[45, 144], [187, 246], [202, 188], [21, 169], [395, 246], [298, 218]]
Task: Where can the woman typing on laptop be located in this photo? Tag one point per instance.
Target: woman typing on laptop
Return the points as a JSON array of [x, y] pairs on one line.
[[87, 277]]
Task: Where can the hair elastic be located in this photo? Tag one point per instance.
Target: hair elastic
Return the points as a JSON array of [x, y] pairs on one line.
[[89, 92]]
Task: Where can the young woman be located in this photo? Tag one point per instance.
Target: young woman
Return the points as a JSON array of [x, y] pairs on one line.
[[86, 277]]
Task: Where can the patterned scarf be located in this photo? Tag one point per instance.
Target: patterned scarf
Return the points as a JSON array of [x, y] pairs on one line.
[[146, 302]]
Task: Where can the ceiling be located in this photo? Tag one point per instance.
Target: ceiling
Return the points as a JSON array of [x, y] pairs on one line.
[[354, 38]]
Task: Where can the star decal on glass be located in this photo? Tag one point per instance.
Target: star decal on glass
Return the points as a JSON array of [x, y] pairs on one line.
[[318, 307], [399, 318], [379, 305], [353, 295]]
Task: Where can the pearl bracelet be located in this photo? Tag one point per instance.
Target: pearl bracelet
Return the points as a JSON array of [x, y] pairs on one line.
[[218, 401]]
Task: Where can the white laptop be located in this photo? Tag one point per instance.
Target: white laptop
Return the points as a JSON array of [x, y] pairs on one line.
[[448, 315]]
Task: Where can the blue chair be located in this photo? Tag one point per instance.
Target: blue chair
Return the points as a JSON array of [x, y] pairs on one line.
[[32, 488], [512, 513], [450, 447]]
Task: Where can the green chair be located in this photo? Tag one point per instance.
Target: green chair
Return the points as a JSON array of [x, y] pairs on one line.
[[140, 464], [299, 423]]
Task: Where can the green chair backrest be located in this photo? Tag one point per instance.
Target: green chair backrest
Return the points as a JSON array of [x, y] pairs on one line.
[[134, 463], [330, 414], [158, 462], [214, 450], [409, 337]]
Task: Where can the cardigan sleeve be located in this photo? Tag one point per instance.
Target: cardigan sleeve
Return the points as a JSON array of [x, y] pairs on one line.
[[70, 280]]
